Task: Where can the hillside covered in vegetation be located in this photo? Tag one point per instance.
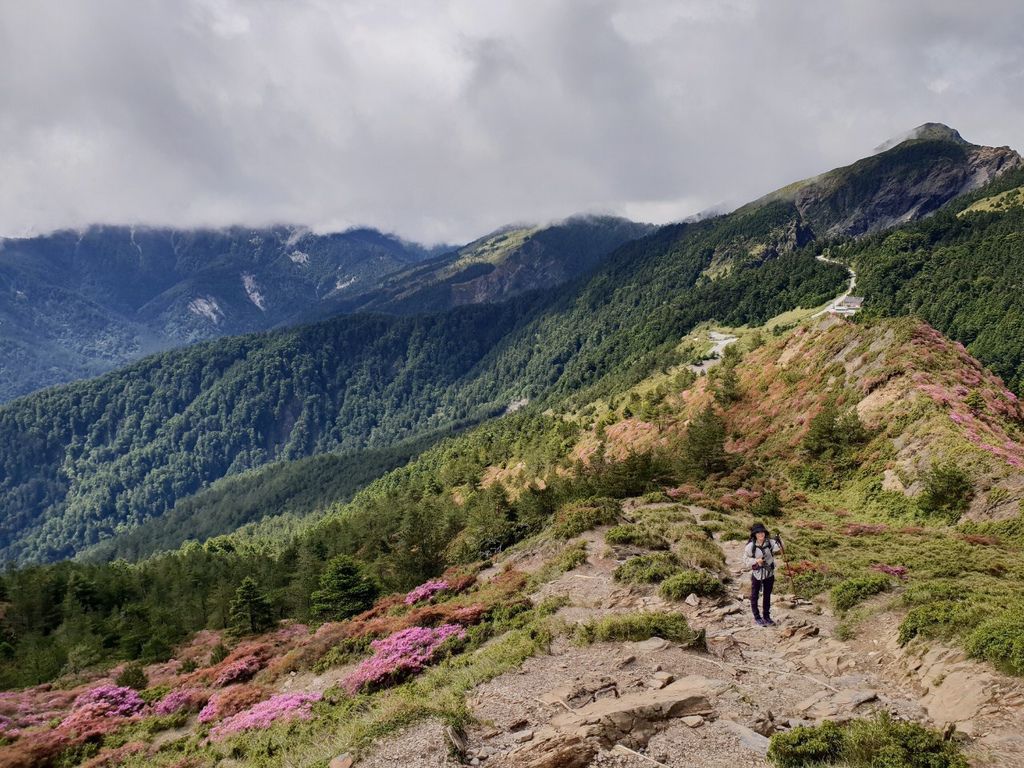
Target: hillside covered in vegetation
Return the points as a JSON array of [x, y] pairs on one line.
[[84, 461], [888, 458]]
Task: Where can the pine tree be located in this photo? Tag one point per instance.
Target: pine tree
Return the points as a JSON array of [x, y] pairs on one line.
[[344, 590], [250, 612], [704, 449]]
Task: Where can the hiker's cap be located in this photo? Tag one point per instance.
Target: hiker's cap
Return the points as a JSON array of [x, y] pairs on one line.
[[758, 528]]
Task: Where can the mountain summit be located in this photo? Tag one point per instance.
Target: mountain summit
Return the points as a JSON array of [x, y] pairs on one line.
[[925, 131], [908, 178]]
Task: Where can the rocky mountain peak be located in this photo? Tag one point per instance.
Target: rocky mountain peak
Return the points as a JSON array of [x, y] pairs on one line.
[[928, 131]]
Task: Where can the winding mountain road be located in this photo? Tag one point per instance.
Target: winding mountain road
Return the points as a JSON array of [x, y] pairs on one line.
[[849, 288], [721, 341]]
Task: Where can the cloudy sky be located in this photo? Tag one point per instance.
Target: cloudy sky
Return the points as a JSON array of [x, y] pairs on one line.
[[443, 120]]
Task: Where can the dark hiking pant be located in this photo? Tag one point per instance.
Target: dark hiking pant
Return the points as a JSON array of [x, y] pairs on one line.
[[756, 587]]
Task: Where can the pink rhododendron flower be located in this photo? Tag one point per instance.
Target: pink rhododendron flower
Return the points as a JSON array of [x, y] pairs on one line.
[[899, 571], [98, 708], [182, 700], [401, 654], [282, 707], [426, 591], [239, 671]]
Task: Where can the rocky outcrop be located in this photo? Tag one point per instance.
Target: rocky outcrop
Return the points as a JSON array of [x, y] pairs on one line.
[[908, 179], [905, 183]]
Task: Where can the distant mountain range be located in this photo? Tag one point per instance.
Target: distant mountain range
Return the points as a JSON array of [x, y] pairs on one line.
[[75, 304]]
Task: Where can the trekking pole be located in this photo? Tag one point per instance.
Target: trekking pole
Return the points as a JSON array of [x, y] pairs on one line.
[[789, 570]]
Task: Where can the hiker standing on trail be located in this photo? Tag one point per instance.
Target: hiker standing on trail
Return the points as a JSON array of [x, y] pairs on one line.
[[759, 555]]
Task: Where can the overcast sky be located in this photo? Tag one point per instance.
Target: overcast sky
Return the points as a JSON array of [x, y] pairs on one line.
[[443, 120]]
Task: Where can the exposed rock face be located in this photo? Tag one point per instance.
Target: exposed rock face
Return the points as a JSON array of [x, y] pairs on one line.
[[906, 183], [632, 719], [909, 178], [554, 750]]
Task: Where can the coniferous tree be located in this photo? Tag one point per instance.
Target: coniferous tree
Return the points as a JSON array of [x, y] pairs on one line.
[[250, 612], [704, 448], [344, 590]]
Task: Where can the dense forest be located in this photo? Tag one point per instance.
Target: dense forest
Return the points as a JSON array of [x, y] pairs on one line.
[[283, 489], [85, 460]]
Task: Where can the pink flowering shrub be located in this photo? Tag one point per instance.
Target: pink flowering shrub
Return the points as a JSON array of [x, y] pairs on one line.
[[282, 707], [230, 702], [401, 654], [239, 670], [864, 529], [96, 709], [182, 700], [899, 571], [116, 700], [426, 591]]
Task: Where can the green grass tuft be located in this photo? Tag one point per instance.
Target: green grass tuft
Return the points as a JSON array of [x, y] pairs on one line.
[[680, 585], [669, 625], [648, 569]]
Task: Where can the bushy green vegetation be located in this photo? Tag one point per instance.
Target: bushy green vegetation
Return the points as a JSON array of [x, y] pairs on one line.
[[947, 491], [640, 626], [680, 585], [648, 569], [878, 742], [849, 592], [132, 676], [1000, 640], [637, 535], [577, 518]]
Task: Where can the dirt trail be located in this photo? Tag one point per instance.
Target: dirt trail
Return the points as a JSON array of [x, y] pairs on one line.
[[756, 680]]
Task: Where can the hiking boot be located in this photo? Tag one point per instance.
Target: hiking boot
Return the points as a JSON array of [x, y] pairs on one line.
[[759, 621], [767, 623]]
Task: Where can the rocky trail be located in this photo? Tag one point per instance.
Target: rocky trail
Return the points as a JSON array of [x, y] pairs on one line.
[[655, 702]]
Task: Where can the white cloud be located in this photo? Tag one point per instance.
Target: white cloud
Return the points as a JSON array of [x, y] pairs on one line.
[[441, 120]]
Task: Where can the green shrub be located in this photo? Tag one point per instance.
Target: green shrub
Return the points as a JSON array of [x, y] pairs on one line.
[[348, 649], [669, 625], [1000, 640], [806, 745], [881, 742], [735, 534], [154, 694], [648, 569], [694, 546], [219, 653], [767, 505], [637, 535], [577, 518], [679, 585], [947, 491], [133, 676], [940, 619], [572, 556], [848, 593], [878, 742]]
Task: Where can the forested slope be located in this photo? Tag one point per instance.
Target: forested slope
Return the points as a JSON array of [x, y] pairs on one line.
[[80, 462]]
